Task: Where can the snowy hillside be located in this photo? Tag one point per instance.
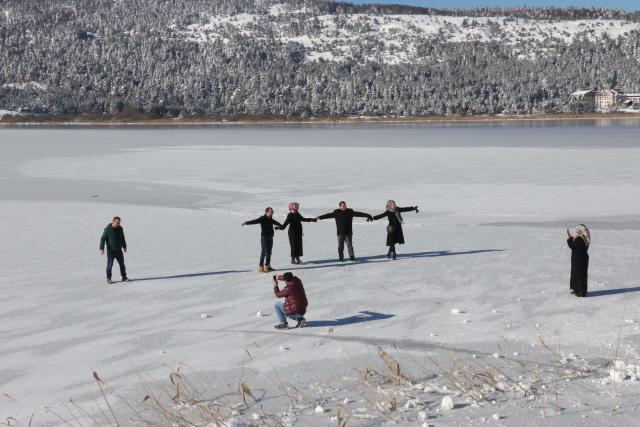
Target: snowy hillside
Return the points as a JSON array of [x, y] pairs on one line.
[[397, 39], [307, 58]]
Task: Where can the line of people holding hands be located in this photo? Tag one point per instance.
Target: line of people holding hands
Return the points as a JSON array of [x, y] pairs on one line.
[[343, 217]]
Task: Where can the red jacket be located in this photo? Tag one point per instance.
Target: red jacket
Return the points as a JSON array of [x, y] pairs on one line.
[[295, 299]]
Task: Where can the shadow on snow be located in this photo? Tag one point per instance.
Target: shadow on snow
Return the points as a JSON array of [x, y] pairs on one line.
[[323, 263], [606, 292], [363, 316], [189, 275]]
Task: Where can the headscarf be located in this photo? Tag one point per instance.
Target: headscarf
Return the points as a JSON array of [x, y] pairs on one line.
[[394, 210], [583, 231], [294, 206]]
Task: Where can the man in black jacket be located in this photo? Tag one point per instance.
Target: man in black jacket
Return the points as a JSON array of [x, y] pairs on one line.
[[344, 226], [266, 222], [113, 236]]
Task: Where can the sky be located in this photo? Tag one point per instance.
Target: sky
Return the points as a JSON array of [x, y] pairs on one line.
[[622, 4]]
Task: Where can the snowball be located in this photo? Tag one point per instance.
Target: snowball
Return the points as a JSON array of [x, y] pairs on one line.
[[319, 410], [495, 416], [259, 314], [447, 403], [422, 415], [456, 311], [204, 315]]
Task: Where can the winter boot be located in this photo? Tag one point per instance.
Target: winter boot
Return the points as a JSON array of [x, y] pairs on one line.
[[301, 322], [109, 281], [283, 325], [299, 261], [267, 268], [261, 269], [352, 258], [293, 261], [125, 279]]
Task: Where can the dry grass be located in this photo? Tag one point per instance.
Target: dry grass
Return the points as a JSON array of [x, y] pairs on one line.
[[387, 389]]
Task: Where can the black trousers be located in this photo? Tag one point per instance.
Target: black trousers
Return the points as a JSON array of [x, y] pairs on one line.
[[342, 239], [267, 247], [118, 256]]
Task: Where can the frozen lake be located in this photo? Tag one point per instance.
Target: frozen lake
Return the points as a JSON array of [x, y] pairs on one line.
[[495, 200]]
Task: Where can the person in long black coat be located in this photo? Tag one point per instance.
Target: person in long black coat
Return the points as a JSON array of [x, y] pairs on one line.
[[294, 221], [579, 259], [395, 236]]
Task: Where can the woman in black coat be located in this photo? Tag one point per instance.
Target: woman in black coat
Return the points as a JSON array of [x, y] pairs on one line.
[[295, 220], [579, 259], [394, 229]]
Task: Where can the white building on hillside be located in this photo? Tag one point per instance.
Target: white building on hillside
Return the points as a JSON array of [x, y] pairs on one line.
[[605, 100]]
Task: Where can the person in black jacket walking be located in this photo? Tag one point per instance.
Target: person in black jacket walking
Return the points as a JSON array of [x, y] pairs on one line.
[[579, 259], [394, 229], [344, 226], [266, 222], [295, 220], [113, 237]]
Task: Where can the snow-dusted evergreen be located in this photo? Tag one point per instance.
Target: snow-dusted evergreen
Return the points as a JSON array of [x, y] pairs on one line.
[[307, 58]]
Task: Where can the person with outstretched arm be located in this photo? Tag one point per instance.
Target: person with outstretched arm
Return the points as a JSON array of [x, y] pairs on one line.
[[394, 229], [113, 238], [266, 222], [344, 226], [579, 259], [295, 300], [294, 221]]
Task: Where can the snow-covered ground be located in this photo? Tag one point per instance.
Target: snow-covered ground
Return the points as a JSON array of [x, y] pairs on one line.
[[477, 307]]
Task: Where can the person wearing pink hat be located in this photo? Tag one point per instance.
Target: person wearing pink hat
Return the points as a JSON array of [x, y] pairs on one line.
[[294, 221]]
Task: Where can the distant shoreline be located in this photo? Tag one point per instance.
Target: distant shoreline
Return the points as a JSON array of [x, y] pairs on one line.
[[144, 121]]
